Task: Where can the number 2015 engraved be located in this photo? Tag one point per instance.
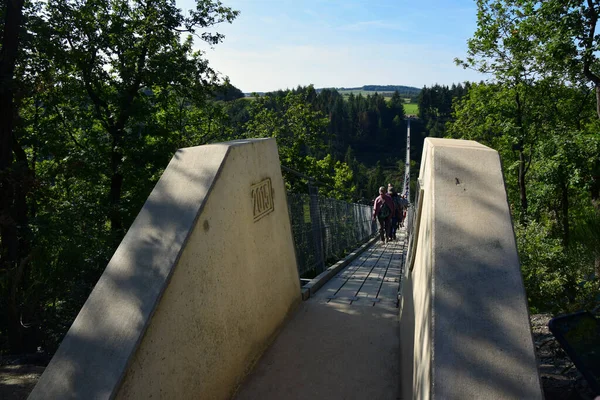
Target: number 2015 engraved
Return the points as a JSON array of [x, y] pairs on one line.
[[262, 199]]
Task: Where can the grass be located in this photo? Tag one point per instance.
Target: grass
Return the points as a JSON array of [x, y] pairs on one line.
[[411, 108], [365, 92]]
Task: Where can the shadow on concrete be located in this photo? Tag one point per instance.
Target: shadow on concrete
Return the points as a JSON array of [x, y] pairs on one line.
[[330, 351], [93, 357], [481, 334]]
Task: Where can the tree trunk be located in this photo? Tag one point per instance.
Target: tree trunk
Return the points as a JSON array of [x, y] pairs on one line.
[[595, 193], [116, 187], [598, 100], [12, 195], [20, 339], [522, 164], [10, 44], [522, 187], [565, 212]]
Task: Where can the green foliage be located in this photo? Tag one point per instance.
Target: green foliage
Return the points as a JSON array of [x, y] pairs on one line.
[[339, 177], [435, 106], [376, 180], [373, 126], [300, 131], [411, 108], [532, 39], [544, 267], [540, 114], [384, 90], [553, 128], [107, 91], [556, 279]]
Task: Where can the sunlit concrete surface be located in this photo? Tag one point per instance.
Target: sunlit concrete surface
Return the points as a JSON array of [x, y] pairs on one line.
[[342, 343], [464, 325], [196, 290]]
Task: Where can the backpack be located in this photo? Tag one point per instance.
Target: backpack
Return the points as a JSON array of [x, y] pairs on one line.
[[384, 211], [398, 204]]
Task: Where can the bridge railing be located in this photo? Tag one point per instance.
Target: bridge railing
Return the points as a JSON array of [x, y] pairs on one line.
[[325, 229], [345, 225]]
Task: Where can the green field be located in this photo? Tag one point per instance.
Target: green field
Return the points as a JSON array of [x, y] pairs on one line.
[[364, 92], [411, 108]]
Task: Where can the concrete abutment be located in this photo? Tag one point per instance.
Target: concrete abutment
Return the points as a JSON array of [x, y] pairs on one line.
[[195, 292], [464, 327], [207, 275]]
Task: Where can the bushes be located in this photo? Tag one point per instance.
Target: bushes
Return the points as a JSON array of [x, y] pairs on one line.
[[557, 279]]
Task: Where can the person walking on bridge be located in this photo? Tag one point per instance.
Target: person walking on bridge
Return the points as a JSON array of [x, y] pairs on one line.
[[383, 209], [397, 215]]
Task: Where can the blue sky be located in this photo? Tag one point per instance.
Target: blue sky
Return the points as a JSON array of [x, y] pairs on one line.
[[278, 44]]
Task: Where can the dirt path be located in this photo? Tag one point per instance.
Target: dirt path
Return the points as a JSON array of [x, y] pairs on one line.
[[560, 378], [17, 381]]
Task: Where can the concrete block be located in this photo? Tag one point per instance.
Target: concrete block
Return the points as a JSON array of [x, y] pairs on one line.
[[195, 292], [305, 294], [464, 327]]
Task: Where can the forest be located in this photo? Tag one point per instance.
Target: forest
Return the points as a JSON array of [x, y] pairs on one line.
[[540, 109], [96, 96]]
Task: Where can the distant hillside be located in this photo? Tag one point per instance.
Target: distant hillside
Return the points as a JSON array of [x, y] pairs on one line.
[[404, 91], [409, 93]]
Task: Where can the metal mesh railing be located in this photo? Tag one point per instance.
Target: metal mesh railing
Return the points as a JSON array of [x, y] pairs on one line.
[[344, 225], [326, 229]]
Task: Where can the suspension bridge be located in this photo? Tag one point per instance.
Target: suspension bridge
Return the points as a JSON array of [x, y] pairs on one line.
[[216, 296]]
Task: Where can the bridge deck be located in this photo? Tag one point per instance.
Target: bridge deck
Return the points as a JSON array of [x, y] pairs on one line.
[[343, 342]]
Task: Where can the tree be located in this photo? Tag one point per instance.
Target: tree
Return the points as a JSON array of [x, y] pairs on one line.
[[300, 132], [337, 176], [557, 250], [227, 92], [93, 79], [115, 50], [491, 114], [531, 40], [14, 246], [501, 46], [435, 107], [376, 180]]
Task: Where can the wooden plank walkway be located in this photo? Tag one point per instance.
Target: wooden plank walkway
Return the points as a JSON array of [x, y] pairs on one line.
[[343, 342]]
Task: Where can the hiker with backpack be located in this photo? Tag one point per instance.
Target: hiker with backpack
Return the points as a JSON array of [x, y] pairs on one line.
[[383, 209], [397, 215]]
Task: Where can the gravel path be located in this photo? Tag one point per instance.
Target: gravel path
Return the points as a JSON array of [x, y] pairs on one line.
[[560, 378]]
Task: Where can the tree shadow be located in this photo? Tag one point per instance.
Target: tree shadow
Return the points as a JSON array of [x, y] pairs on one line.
[[94, 356], [481, 343], [330, 351]]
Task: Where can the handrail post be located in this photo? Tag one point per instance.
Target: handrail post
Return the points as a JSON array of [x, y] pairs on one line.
[[315, 221]]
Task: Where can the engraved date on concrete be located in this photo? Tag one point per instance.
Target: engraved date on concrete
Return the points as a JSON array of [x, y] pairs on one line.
[[262, 199]]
